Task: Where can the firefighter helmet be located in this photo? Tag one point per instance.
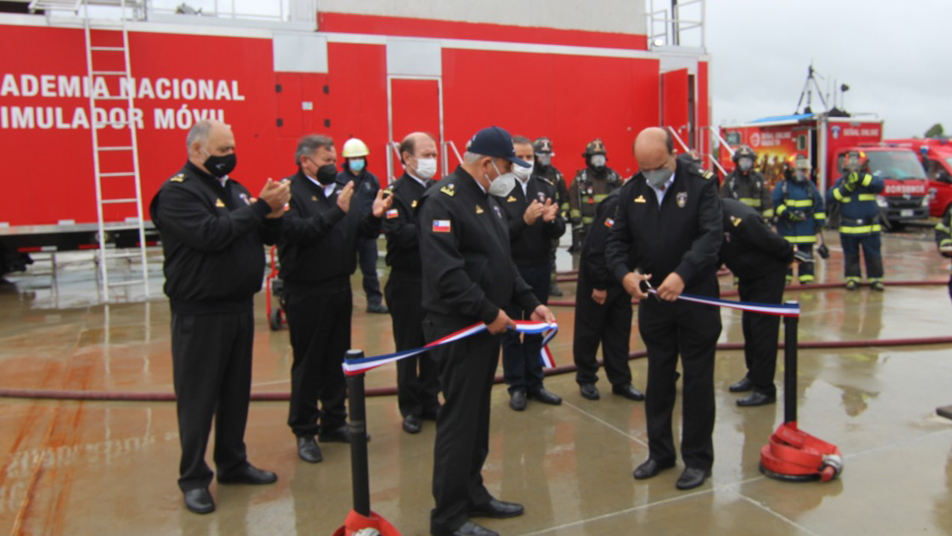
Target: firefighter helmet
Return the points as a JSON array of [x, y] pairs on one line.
[[354, 148], [543, 145], [594, 147], [855, 160], [744, 151], [797, 161]]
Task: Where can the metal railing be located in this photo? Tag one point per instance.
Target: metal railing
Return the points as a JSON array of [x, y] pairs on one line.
[[668, 26], [445, 157]]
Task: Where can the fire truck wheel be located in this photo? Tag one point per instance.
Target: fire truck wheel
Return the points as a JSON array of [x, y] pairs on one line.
[[276, 319]]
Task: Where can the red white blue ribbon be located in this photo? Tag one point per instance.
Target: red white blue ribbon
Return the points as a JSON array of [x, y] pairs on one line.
[[765, 308], [353, 367]]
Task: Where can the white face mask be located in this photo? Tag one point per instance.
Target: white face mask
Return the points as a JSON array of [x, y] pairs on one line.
[[745, 164], [599, 160], [522, 173], [426, 168], [503, 183]]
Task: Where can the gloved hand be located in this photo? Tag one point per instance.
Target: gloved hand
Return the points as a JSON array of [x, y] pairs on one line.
[[802, 256], [851, 181], [823, 251]]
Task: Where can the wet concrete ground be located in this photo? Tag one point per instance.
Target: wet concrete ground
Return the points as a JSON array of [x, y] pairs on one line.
[[90, 467]]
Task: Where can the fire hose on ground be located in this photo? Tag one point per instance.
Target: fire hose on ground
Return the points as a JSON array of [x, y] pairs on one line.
[[265, 396]]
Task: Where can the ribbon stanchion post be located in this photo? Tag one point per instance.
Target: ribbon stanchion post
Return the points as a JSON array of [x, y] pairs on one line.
[[361, 520], [792, 454]]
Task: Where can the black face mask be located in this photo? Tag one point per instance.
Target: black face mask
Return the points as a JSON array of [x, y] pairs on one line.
[[219, 166], [326, 174]]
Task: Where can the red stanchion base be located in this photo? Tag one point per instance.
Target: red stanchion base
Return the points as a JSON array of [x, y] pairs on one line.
[[358, 525], [794, 455]]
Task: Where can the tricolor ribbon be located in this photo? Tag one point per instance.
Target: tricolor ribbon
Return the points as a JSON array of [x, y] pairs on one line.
[[353, 367], [765, 308]]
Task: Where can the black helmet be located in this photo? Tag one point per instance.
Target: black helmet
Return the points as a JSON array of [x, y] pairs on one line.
[[542, 145], [594, 147], [744, 151]]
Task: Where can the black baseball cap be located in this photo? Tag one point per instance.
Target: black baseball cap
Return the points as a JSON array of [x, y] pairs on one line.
[[495, 141]]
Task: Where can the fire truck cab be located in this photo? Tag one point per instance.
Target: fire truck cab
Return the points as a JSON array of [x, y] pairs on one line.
[[936, 157]]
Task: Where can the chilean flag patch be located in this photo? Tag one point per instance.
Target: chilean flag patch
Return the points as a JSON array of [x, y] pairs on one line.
[[392, 213], [441, 226], [609, 222]]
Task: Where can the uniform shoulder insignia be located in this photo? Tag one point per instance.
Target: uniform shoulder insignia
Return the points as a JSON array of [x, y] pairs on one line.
[[178, 178], [736, 221], [449, 189], [511, 199], [640, 199], [219, 203], [414, 203], [479, 209], [388, 190], [706, 173]]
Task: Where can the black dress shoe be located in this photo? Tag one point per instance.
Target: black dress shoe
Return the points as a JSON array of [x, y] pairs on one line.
[[248, 475], [336, 435], [496, 509], [517, 400], [756, 399], [692, 478], [377, 308], [742, 386], [412, 424], [546, 397], [308, 449], [467, 529], [628, 391], [650, 468], [200, 501], [589, 391]]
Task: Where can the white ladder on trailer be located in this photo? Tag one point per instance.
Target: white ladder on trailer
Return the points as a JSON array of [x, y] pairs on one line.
[[97, 54]]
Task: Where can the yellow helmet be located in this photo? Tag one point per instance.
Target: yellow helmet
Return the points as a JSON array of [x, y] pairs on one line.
[[354, 148]]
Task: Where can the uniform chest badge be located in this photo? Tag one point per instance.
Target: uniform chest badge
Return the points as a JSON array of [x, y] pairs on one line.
[[441, 226], [736, 221], [219, 203], [413, 204], [609, 223], [313, 198], [245, 198], [449, 189], [640, 199], [392, 213], [682, 199], [541, 197], [178, 178], [479, 209], [511, 199]]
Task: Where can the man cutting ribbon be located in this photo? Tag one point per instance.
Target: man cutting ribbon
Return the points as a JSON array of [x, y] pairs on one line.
[[668, 225]]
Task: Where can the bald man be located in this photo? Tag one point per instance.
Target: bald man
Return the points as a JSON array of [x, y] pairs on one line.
[[418, 380], [668, 230], [213, 234]]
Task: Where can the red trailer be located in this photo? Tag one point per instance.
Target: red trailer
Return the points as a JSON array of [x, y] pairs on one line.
[[111, 105]]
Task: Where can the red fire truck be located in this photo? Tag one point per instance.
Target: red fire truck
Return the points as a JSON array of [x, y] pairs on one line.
[[936, 156], [825, 138], [94, 107]]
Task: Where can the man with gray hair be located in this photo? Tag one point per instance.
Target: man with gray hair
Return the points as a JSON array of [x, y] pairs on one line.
[[469, 277], [318, 253], [213, 234]]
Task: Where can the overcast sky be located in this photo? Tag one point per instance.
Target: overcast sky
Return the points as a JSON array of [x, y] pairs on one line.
[[896, 56]]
